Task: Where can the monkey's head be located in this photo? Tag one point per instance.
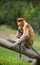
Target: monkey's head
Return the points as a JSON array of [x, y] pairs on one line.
[[20, 22]]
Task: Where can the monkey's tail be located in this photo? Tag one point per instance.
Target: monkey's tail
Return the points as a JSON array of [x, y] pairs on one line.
[[35, 51]]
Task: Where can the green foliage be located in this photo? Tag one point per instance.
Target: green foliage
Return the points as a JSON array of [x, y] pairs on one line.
[[10, 10]]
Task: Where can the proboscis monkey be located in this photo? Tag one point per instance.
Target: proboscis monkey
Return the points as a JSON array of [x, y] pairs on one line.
[[25, 33]]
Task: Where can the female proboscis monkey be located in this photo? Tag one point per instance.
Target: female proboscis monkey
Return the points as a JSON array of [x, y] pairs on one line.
[[25, 33], [25, 29]]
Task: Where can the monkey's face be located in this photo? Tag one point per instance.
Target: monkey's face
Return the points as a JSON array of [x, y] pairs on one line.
[[20, 24], [20, 27]]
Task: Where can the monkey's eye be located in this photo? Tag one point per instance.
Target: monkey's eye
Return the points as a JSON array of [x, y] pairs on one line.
[[20, 20]]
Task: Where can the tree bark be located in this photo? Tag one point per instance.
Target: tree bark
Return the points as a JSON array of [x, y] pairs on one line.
[[36, 62], [28, 52]]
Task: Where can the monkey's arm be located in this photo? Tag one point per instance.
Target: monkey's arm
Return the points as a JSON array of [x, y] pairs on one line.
[[22, 39]]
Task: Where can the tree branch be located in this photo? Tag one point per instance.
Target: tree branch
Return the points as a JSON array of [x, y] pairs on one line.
[[28, 52]]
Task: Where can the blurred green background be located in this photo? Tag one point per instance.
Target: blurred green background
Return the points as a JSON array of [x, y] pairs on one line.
[[10, 10]]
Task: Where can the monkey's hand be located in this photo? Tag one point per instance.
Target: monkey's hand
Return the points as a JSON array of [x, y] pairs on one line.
[[19, 35], [20, 40]]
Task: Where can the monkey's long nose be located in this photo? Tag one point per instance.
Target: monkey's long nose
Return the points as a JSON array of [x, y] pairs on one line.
[[20, 30]]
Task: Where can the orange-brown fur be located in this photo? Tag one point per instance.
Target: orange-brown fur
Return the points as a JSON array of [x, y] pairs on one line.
[[26, 27]]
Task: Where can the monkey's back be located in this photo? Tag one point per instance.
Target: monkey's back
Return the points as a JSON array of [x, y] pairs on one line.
[[30, 40]]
